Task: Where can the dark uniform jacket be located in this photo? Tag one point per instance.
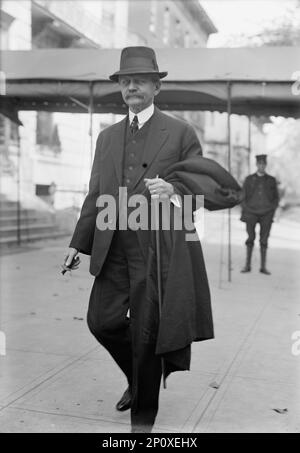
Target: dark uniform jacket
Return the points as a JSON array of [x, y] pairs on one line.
[[270, 194]]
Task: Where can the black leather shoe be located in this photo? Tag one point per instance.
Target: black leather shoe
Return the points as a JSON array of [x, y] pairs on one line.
[[125, 402], [142, 429], [246, 269], [263, 270]]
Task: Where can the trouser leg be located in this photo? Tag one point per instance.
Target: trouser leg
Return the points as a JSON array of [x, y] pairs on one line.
[[250, 227], [109, 303], [117, 341], [146, 385], [265, 228], [265, 222], [146, 365], [263, 257], [247, 267], [122, 285]]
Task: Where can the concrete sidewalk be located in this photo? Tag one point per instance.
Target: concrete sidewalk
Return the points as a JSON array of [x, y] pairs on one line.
[[55, 378]]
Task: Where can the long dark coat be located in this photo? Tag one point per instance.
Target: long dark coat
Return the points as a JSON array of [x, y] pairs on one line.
[[172, 151], [169, 140], [186, 314]]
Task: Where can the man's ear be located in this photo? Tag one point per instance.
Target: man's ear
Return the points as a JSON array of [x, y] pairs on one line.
[[157, 86]]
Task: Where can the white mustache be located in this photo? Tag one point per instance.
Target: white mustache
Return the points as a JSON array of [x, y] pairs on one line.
[[133, 96]]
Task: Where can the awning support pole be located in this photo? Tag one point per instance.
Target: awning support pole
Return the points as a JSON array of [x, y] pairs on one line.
[[249, 143], [229, 169], [91, 111], [18, 188]]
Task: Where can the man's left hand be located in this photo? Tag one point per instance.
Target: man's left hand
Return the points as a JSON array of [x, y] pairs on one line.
[[158, 186]]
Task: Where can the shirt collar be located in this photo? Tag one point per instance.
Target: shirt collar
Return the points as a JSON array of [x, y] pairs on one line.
[[260, 176], [143, 116]]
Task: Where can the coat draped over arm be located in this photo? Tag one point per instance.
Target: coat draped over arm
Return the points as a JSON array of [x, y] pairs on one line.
[[186, 314]]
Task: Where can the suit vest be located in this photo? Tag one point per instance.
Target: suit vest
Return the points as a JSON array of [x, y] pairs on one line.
[[133, 155]]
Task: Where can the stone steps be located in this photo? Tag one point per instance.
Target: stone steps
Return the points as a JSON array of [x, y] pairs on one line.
[[6, 242], [12, 220], [34, 224]]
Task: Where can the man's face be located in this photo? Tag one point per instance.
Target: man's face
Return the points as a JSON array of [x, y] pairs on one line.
[[261, 166], [139, 90]]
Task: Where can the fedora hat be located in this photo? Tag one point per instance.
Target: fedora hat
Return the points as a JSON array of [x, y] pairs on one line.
[[137, 60]]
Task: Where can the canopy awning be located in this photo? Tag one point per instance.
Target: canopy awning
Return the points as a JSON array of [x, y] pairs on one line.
[[64, 80]]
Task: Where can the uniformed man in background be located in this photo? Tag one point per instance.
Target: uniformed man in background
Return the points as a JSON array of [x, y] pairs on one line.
[[260, 200]]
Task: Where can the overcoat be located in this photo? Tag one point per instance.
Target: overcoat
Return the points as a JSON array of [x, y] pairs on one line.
[[173, 152], [169, 140], [186, 314]]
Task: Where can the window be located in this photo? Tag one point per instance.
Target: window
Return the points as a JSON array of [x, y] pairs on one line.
[[187, 40], [108, 14], [153, 16], [42, 189], [9, 132], [2, 130], [5, 23], [14, 132], [47, 132], [179, 36], [166, 33]]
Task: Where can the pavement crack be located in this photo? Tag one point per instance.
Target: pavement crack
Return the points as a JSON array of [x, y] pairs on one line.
[[48, 378], [229, 367]]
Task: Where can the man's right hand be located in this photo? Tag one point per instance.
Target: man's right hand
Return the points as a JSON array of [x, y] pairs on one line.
[[70, 256]]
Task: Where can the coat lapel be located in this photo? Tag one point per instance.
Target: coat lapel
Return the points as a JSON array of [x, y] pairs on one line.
[[157, 136], [117, 147]]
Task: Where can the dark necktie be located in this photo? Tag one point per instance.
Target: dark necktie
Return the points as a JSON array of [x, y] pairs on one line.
[[134, 125]]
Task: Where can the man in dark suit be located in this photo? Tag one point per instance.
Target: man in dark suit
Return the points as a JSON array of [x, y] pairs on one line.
[[131, 154], [260, 200]]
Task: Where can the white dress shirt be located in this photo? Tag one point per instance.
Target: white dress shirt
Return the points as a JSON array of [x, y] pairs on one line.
[[143, 116]]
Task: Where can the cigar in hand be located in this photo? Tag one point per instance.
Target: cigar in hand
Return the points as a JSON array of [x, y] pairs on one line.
[[69, 268]]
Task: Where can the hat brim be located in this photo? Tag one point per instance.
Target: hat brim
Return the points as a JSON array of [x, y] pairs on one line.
[[115, 77]]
